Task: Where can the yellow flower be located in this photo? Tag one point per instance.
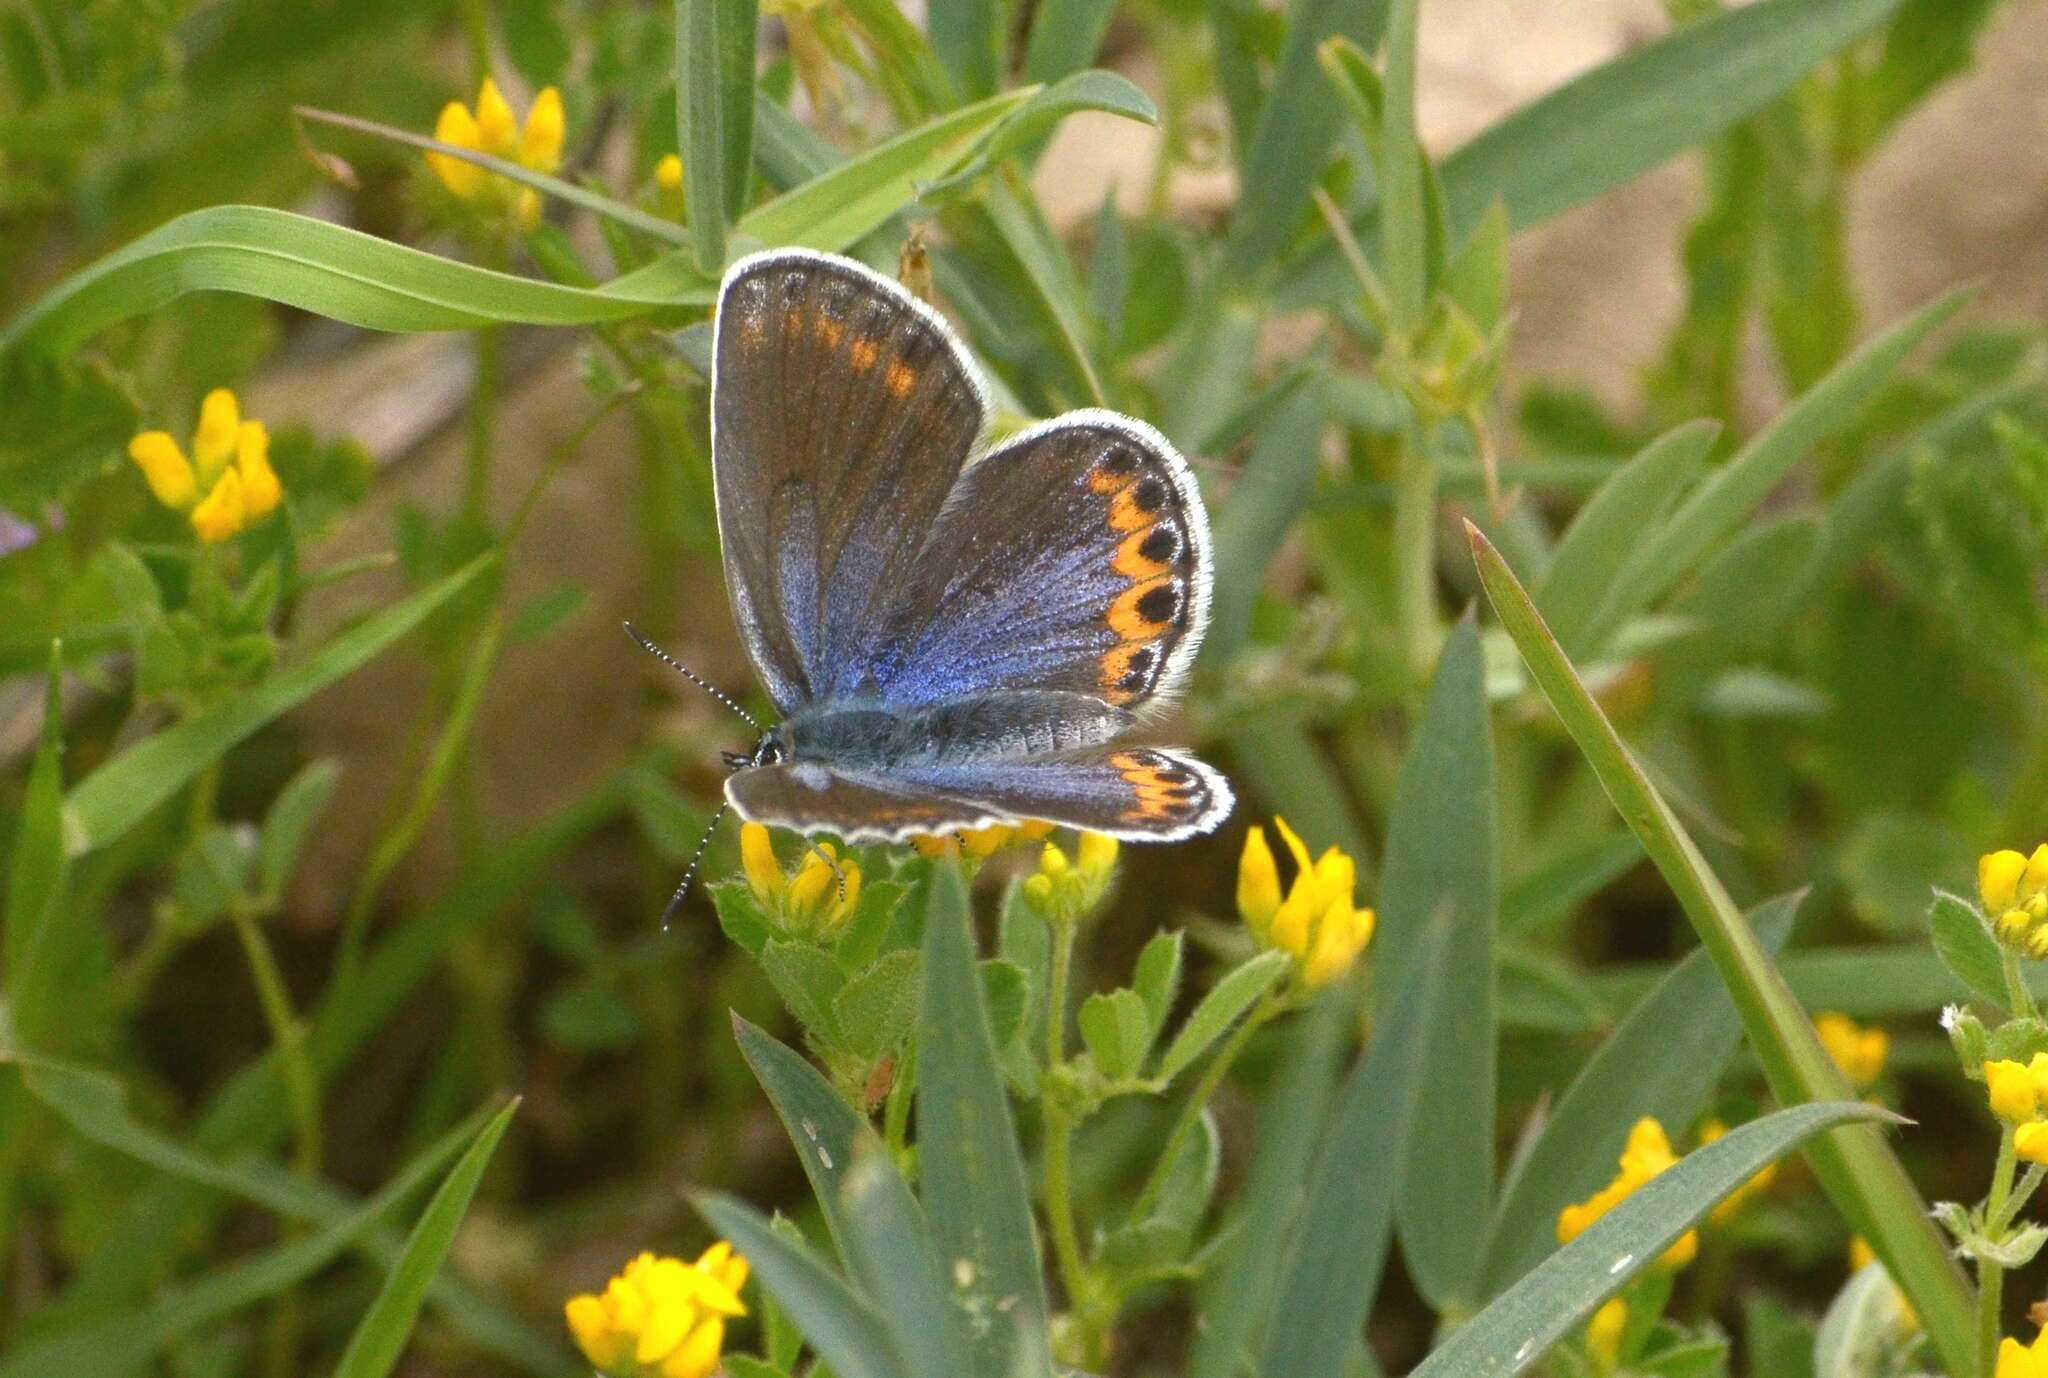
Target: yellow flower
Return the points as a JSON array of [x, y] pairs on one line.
[[2014, 889], [1733, 1203], [1066, 890], [1858, 1051], [1315, 921], [495, 130], [2015, 1091], [1647, 1153], [2030, 1141], [1604, 1331], [227, 484], [811, 900], [668, 174], [2016, 1360], [661, 1317], [980, 842]]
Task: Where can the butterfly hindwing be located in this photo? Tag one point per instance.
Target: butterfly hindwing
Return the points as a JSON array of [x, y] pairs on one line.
[[842, 413], [1136, 793], [1073, 557]]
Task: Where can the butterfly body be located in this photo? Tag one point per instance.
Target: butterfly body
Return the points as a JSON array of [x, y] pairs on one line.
[[954, 638]]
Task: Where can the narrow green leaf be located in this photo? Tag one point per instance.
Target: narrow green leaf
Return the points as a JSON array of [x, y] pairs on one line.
[[842, 1327], [879, 1230], [1542, 992], [379, 1338], [1295, 131], [1333, 1270], [1859, 1171], [1115, 1026], [1278, 479], [1156, 979], [1966, 947], [1240, 989], [1440, 860], [331, 271], [1663, 1060], [1858, 1326], [1513, 1334], [1028, 123], [122, 792], [35, 933], [1581, 578], [788, 151], [968, 37], [1551, 894], [967, 1145], [292, 814], [1049, 280], [1404, 218], [1717, 506], [1065, 35], [714, 117]]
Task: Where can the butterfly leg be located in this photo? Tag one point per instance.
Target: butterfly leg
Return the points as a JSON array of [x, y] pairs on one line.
[[838, 871]]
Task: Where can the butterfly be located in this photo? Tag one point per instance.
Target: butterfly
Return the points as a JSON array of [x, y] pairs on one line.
[[954, 636]]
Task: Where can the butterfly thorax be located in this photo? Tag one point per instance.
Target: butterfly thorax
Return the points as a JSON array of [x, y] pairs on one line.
[[989, 727]]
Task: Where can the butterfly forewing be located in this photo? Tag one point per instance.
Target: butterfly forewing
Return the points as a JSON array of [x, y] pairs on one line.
[[842, 412]]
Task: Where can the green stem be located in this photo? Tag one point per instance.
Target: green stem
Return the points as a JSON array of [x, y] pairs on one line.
[[896, 1110], [1414, 541], [2021, 1194], [1198, 1099], [287, 1034], [1059, 1128], [2016, 993], [1990, 1276]]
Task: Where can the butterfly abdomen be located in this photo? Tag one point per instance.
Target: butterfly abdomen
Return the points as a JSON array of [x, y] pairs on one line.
[[991, 727]]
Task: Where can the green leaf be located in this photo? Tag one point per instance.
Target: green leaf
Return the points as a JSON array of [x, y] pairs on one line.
[[1240, 988], [1967, 948], [1663, 1060], [36, 933], [1717, 506], [1580, 583], [715, 117], [968, 37], [122, 792], [1026, 124], [967, 1145], [293, 813], [1065, 35], [809, 981], [326, 269], [1116, 1027], [1512, 1335], [1404, 216], [1156, 979], [1279, 477], [1545, 993], [1046, 280], [379, 1338], [879, 1230], [1440, 862], [877, 1007], [1861, 1175], [1607, 126], [844, 1329], [1333, 1270], [1858, 1326], [740, 917], [1295, 131], [1555, 891]]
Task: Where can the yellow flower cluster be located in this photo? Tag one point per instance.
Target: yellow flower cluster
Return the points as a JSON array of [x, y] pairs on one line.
[[1858, 1051], [2019, 1096], [809, 900], [1604, 1332], [2014, 889], [493, 129], [1316, 920], [226, 484], [980, 842], [1066, 889], [661, 1317], [668, 174], [1733, 1203], [2016, 1360], [1648, 1153]]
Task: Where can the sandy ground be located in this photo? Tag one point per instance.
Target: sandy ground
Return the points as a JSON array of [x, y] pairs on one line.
[[1961, 191]]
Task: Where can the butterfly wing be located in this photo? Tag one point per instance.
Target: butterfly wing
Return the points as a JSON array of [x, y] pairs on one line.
[[1140, 794], [1073, 557], [842, 412]]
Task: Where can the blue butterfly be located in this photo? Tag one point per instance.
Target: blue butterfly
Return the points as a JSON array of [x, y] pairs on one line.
[[955, 637]]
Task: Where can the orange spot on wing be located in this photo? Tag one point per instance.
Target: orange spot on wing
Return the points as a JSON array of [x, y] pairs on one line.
[[1126, 620], [1116, 663], [901, 378], [829, 332], [793, 324], [1132, 561], [1102, 481], [864, 353], [1126, 515], [1153, 795]]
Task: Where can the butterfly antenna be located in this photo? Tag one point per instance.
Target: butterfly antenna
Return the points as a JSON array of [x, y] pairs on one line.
[[665, 658], [675, 903]]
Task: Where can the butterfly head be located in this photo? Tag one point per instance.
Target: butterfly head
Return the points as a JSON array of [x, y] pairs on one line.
[[772, 749]]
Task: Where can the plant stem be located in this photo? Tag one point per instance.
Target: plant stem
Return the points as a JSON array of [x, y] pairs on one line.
[[2021, 1194], [2017, 995], [1059, 1147], [1414, 548], [1198, 1099], [1990, 1276], [287, 1034]]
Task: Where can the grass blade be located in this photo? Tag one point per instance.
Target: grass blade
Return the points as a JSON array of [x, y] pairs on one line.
[[1585, 569], [35, 934], [1733, 491], [968, 37], [1862, 1176], [1404, 216], [1333, 1270], [1065, 35], [1662, 1060], [380, 1336], [967, 1144], [122, 792], [841, 1327], [1515, 1332], [714, 117], [1440, 860], [1279, 477]]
